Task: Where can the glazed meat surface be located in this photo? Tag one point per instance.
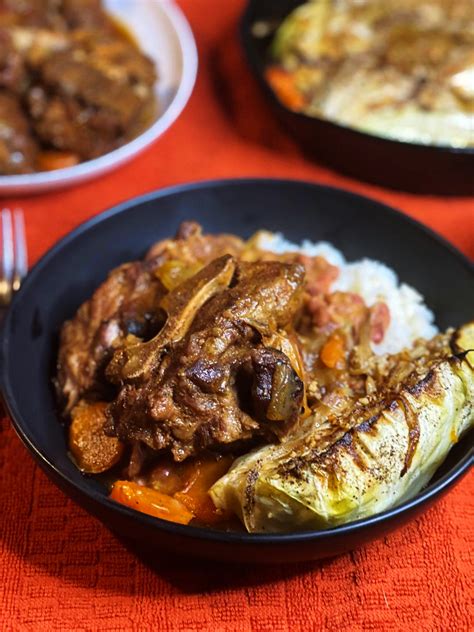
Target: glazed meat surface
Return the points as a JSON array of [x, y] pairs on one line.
[[17, 146], [38, 13], [13, 76], [83, 14], [194, 347], [54, 14], [190, 248], [84, 86], [125, 304], [212, 376], [92, 95]]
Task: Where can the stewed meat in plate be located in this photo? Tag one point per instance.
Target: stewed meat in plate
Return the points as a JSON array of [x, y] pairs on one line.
[[74, 85]]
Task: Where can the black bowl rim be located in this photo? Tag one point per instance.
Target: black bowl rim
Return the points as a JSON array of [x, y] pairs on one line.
[[201, 533], [249, 48]]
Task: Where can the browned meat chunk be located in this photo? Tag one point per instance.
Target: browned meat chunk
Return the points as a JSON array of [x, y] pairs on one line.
[[42, 13], [84, 84], [83, 14], [117, 59], [125, 304], [208, 379], [93, 95], [189, 251], [54, 14], [128, 303], [13, 75], [17, 146], [58, 123], [191, 246]]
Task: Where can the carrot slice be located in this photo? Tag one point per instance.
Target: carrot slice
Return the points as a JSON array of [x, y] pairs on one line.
[[150, 501], [284, 86], [333, 352], [92, 449], [52, 160]]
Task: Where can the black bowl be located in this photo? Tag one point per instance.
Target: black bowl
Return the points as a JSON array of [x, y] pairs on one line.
[[69, 273], [396, 164]]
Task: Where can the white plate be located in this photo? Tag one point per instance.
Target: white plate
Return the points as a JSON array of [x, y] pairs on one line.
[[165, 35]]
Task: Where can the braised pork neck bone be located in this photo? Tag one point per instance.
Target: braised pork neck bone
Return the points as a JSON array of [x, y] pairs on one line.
[[140, 360], [126, 304], [208, 379]]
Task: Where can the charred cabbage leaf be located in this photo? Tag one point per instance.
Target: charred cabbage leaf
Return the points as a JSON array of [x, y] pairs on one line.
[[324, 475]]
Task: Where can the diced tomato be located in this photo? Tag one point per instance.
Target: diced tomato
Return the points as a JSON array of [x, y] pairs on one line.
[[320, 274], [169, 477], [196, 497]]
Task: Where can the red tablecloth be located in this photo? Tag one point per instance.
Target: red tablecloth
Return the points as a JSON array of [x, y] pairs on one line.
[[61, 570]]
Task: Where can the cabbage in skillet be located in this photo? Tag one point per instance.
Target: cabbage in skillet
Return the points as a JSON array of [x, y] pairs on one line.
[[401, 69]]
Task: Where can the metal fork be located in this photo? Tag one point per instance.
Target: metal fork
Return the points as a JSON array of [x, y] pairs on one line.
[[14, 256]]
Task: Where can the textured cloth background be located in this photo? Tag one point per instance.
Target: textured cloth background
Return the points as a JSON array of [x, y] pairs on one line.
[[61, 570]]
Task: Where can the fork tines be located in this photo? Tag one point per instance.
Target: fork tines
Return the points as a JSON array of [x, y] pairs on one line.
[[14, 259]]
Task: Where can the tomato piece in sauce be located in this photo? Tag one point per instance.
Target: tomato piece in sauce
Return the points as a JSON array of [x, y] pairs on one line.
[[189, 483]]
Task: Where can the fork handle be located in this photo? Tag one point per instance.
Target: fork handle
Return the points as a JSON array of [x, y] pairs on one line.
[[3, 410]]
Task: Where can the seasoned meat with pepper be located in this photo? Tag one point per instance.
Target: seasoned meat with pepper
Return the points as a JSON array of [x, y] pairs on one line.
[[208, 379], [17, 146]]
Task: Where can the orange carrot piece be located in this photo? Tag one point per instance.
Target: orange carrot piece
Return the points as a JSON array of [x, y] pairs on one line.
[[284, 86], [93, 451], [52, 160], [150, 501], [333, 352]]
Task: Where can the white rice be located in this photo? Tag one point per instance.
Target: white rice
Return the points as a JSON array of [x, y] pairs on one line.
[[410, 318]]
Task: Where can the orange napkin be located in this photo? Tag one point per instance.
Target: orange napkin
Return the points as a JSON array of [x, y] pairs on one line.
[[62, 570]]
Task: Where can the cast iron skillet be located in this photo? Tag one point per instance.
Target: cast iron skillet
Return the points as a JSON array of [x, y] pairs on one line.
[[401, 165], [68, 274]]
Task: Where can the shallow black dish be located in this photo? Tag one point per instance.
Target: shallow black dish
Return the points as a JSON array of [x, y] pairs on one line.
[[400, 165], [69, 273]]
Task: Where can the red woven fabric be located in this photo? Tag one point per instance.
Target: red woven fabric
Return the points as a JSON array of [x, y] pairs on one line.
[[62, 570]]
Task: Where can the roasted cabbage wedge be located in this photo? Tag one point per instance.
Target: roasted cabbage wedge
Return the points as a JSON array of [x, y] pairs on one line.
[[400, 69], [326, 474]]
